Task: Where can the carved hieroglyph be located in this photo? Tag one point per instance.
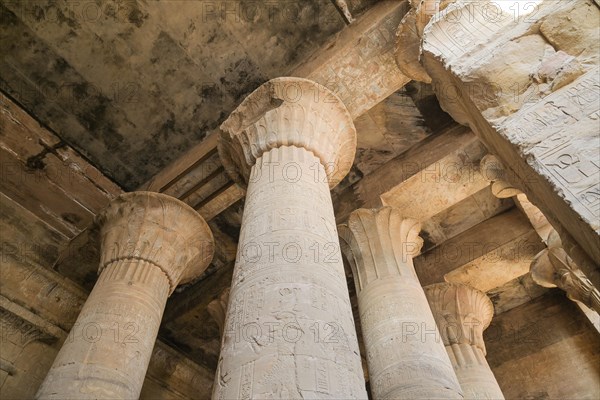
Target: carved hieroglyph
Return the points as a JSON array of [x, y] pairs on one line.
[[289, 331], [527, 81], [405, 355], [462, 314], [150, 243]]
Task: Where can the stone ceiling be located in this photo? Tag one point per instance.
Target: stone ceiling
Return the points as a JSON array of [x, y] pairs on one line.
[[133, 84]]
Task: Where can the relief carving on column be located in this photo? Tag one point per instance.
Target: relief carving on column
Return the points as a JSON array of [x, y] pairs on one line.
[[156, 228], [218, 309], [289, 112], [462, 313], [383, 243], [552, 267]]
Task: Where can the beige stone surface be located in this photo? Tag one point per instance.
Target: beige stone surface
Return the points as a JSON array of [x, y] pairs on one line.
[[150, 243], [405, 355], [28, 279], [462, 314], [530, 93], [358, 65], [289, 331], [552, 267], [289, 112]]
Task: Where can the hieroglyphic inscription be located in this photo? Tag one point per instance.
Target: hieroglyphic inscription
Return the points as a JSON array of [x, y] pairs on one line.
[[565, 142], [290, 315], [246, 381]]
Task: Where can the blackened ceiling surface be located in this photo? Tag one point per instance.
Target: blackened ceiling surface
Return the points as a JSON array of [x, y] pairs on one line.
[[133, 84]]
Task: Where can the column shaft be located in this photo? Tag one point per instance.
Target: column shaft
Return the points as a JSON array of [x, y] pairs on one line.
[[474, 373], [289, 331], [108, 349], [405, 354]]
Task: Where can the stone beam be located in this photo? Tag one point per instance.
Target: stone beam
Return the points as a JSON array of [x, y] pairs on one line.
[[47, 176], [442, 164], [498, 250], [495, 172], [528, 87], [514, 293], [358, 65]]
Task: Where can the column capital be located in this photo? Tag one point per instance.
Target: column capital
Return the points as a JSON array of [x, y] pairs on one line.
[[158, 229], [379, 243], [494, 171], [552, 267], [461, 313], [289, 112]]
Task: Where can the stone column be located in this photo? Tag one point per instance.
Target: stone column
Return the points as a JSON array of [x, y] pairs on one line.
[[462, 313], [150, 243], [289, 331], [405, 355]]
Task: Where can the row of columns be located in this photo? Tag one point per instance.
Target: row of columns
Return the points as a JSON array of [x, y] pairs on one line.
[[288, 328]]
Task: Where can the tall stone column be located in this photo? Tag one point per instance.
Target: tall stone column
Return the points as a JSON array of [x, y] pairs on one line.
[[462, 313], [405, 355], [289, 331], [150, 243]]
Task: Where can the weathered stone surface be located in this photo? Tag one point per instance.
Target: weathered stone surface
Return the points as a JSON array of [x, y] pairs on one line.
[[289, 331], [359, 64], [532, 101], [514, 293], [485, 256], [462, 314], [406, 359], [552, 267], [28, 280], [545, 348], [150, 243], [497, 174]]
